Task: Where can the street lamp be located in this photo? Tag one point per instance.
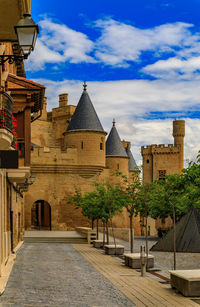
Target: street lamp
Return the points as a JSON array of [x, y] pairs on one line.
[[26, 31]]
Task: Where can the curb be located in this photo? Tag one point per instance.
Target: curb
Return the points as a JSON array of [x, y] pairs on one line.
[[5, 274]]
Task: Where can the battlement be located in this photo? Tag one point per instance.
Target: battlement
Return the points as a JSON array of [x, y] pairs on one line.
[[53, 156], [159, 149]]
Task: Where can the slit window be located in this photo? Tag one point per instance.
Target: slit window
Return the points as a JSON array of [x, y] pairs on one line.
[[117, 165], [101, 146], [162, 174], [82, 145]]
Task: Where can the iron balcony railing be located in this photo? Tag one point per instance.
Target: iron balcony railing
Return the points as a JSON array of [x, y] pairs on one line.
[[6, 105]]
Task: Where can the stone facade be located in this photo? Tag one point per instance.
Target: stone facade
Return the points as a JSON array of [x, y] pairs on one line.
[[62, 161], [161, 160]]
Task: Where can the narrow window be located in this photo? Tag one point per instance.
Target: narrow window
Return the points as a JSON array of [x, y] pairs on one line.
[[101, 146], [147, 161], [163, 220], [162, 174], [82, 145], [117, 165]]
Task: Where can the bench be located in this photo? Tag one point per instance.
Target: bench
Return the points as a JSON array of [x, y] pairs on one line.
[[111, 249], [87, 233], [133, 261], [186, 281]]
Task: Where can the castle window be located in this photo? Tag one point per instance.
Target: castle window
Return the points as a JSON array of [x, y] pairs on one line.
[[147, 161], [101, 146], [162, 174], [82, 145], [163, 220], [117, 165]]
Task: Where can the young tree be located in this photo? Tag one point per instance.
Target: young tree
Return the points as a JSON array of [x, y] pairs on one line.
[[112, 201], [143, 206], [130, 189], [101, 204], [167, 200]]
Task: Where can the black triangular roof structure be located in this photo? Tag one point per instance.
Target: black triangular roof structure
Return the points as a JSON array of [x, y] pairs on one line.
[[114, 146], [187, 235], [131, 163], [85, 116]]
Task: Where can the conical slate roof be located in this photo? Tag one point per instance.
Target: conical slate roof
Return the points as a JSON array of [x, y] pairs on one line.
[[187, 235], [85, 116], [114, 145], [131, 163]]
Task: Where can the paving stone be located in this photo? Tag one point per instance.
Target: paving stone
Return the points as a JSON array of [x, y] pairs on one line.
[[46, 274]]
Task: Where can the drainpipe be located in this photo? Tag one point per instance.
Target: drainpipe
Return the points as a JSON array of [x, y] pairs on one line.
[[11, 219]]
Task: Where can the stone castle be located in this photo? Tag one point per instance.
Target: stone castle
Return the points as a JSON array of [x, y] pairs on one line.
[[68, 151]]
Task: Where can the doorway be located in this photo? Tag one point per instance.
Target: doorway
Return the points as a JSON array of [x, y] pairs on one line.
[[41, 215]]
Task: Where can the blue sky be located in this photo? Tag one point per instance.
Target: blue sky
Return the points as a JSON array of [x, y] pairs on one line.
[[141, 60]]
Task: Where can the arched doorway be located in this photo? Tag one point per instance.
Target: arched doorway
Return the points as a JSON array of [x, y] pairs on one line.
[[41, 215]]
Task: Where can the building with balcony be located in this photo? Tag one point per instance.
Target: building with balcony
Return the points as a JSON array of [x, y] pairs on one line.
[[21, 103]]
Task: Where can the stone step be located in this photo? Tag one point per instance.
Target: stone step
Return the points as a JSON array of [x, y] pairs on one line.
[[55, 240]]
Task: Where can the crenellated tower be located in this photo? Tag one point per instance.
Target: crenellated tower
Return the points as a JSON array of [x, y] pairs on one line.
[[161, 160]]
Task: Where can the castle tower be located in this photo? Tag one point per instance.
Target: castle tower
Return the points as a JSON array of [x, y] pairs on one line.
[[131, 163], [178, 134], [63, 100], [86, 134], [116, 156]]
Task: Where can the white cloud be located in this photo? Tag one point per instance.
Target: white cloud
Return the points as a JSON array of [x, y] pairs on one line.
[[57, 44], [120, 43], [175, 68], [130, 103], [117, 45]]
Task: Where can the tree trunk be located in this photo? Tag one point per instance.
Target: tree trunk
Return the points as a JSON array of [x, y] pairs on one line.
[[104, 230], [107, 232], [113, 236], [174, 234], [147, 247], [131, 233], [97, 229], [92, 223]]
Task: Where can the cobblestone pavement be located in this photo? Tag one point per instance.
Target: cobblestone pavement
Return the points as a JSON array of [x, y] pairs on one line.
[[47, 274]]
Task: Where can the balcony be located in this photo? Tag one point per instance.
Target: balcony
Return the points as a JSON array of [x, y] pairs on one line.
[[6, 121]]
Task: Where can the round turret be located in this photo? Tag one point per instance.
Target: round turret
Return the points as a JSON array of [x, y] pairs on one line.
[[86, 134], [116, 156]]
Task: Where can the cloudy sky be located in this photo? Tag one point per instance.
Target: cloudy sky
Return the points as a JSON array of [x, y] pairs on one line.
[[141, 60]]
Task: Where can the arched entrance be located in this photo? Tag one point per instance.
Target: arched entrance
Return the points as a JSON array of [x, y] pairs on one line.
[[41, 215]]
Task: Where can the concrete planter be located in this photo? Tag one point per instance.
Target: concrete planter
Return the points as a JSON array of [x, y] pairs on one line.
[[98, 243], [186, 281], [111, 250], [133, 260]]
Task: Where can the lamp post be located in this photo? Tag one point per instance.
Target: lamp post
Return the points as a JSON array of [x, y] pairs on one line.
[[26, 31]]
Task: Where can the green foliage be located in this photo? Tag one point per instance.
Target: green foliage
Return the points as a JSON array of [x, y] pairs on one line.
[[101, 204], [181, 191], [164, 195], [130, 190]]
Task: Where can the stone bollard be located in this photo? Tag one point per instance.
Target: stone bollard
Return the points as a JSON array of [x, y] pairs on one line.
[[143, 260]]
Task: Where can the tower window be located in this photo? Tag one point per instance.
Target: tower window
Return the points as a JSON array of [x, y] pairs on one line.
[[147, 161], [162, 174], [101, 146], [117, 165], [82, 145]]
